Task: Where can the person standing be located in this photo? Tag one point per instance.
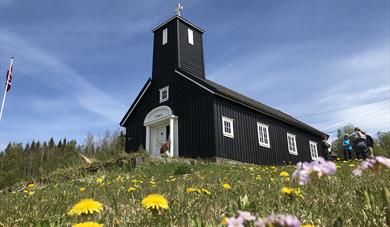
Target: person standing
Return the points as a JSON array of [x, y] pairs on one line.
[[325, 148], [358, 140], [347, 148], [370, 145]]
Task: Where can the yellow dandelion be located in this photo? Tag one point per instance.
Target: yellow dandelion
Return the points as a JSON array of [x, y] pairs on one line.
[[226, 186], [131, 189], [99, 180], [224, 221], [284, 174], [25, 191], [205, 191], [86, 206], [287, 190], [338, 167], [87, 224], [30, 186], [155, 201], [197, 190], [82, 189], [31, 193], [351, 165]]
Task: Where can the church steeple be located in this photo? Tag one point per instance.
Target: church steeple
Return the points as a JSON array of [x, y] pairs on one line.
[[178, 44]]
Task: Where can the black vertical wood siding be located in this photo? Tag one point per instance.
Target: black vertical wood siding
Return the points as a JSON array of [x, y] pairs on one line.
[[245, 146], [190, 103], [191, 56]]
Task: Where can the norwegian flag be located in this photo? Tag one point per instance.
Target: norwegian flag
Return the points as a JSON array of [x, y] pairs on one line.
[[9, 76]]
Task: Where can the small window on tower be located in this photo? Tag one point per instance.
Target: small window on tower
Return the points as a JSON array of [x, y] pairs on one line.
[[190, 37], [165, 36], [164, 94]]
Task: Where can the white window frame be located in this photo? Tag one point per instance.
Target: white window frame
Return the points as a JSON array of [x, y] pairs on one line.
[[294, 139], [265, 136], [190, 37], [230, 121], [165, 36], [313, 144], [161, 94]]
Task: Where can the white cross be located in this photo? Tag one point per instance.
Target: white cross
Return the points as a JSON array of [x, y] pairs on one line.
[[178, 9]]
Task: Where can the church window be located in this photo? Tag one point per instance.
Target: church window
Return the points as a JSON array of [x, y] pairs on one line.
[[263, 135], [292, 144], [227, 127], [164, 94], [190, 37], [165, 36]]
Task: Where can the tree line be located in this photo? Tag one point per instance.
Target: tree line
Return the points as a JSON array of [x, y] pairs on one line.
[[20, 162]]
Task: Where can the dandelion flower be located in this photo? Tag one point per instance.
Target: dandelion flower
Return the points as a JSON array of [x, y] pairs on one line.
[[31, 193], [99, 180], [226, 186], [131, 189], [86, 206], [287, 190], [155, 201], [205, 191], [351, 165], [88, 224], [82, 189], [284, 174], [30, 186]]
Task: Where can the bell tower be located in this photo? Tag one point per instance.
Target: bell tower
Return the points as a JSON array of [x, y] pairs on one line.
[[178, 44]]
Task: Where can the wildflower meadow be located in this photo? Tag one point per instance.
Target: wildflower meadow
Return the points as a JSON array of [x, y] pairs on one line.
[[156, 193]]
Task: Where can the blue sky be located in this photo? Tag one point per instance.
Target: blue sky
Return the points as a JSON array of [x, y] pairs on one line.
[[80, 64]]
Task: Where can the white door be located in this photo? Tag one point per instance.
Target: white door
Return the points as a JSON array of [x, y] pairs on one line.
[[161, 137]]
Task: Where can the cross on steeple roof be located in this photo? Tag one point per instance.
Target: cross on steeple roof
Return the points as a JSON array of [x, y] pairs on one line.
[[178, 9]]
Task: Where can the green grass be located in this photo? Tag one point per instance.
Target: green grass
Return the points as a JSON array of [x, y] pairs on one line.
[[354, 201]]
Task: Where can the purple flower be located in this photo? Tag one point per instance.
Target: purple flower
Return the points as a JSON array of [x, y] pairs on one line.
[[376, 164], [320, 168], [235, 222], [283, 221], [260, 223], [246, 216]]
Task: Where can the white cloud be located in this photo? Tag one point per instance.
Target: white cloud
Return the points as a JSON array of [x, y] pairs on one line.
[[33, 60]]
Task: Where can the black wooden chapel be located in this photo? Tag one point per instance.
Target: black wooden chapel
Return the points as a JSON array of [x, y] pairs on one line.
[[202, 119]]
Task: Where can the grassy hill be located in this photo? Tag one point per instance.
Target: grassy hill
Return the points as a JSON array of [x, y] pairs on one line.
[[218, 191]]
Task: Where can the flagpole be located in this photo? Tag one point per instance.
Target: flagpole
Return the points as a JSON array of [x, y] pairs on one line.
[[5, 90]]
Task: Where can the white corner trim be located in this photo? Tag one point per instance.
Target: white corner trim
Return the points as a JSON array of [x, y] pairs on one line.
[[193, 81], [127, 116]]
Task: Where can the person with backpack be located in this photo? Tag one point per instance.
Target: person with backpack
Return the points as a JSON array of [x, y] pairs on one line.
[[370, 145], [347, 148], [358, 140]]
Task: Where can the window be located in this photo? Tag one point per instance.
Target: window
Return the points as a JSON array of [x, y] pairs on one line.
[[227, 127], [165, 36], [164, 94], [313, 150], [262, 132], [190, 37], [292, 144]]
